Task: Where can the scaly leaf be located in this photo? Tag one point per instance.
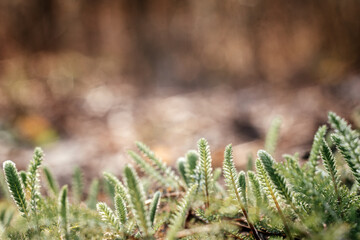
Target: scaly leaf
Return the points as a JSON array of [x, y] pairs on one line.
[[15, 187], [206, 169], [137, 200]]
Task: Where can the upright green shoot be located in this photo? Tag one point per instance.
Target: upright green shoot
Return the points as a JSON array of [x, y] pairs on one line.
[[256, 190], [120, 207], [117, 185], [347, 156], [63, 212], [178, 218], [348, 143], [93, 193], [276, 178], [192, 175], [154, 206], [107, 215], [3, 187], [206, 169], [242, 185], [181, 164], [160, 165], [32, 183], [149, 169], [51, 182], [272, 135], [330, 165], [77, 185], [350, 138], [137, 200], [15, 187], [315, 149], [236, 186], [267, 185]]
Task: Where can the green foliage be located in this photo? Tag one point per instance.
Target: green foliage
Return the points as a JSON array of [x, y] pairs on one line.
[[181, 164], [288, 199], [205, 169], [348, 143], [250, 162], [192, 158], [6, 216], [188, 168], [315, 149], [116, 186], [272, 136], [137, 200], [63, 212], [24, 178], [242, 184], [159, 165], [154, 206], [3, 187], [278, 181], [148, 169], [349, 138], [51, 218], [77, 184], [347, 156], [268, 187], [330, 165], [236, 185], [230, 175], [32, 183], [120, 207], [178, 218], [216, 174], [107, 215], [256, 190], [93, 193], [51, 182], [15, 187]]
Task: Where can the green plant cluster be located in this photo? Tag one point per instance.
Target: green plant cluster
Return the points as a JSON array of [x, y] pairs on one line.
[[318, 199]]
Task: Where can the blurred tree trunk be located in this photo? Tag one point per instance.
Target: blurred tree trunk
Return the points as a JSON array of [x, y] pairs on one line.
[[34, 25]]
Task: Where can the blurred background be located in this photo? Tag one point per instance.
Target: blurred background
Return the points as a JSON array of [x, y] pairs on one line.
[[85, 79]]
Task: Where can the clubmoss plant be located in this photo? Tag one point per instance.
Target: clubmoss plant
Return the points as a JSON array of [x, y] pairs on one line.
[[16, 187], [315, 149], [287, 199], [154, 206], [205, 169], [121, 210], [116, 185], [159, 165], [93, 193], [237, 186], [107, 215], [137, 200], [51, 182], [63, 212], [272, 135], [148, 169], [192, 158], [77, 184], [256, 191], [178, 218], [330, 165], [24, 178]]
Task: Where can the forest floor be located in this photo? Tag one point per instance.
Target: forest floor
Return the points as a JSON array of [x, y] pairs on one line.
[[95, 130]]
